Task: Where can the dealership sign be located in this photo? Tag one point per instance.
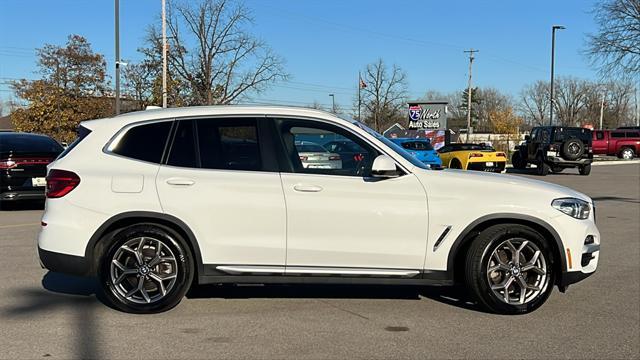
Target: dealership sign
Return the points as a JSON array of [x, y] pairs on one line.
[[428, 115]]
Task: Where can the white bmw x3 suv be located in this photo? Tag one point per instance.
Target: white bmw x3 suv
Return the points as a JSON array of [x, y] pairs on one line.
[[155, 201]]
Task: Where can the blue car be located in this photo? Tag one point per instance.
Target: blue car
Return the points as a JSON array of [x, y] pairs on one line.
[[421, 149]]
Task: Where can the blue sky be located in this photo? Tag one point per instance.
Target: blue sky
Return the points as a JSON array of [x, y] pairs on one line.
[[326, 42]]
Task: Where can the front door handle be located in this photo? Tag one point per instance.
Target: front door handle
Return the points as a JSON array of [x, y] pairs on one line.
[[307, 188], [180, 181]]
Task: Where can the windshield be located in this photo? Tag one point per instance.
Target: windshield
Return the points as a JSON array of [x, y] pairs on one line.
[[397, 148]]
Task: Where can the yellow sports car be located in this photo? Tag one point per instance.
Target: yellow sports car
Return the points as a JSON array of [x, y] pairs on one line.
[[472, 157]]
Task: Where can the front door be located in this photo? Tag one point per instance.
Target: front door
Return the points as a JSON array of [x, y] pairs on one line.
[[220, 180], [339, 219]]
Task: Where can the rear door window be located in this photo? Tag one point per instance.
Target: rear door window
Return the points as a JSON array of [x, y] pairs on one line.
[[617, 135], [633, 134], [144, 142], [229, 144]]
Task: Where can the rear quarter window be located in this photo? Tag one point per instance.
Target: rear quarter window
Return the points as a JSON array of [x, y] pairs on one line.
[[82, 133], [144, 142]]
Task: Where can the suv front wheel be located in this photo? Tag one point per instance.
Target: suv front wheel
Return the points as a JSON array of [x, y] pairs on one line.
[[509, 269], [146, 268]]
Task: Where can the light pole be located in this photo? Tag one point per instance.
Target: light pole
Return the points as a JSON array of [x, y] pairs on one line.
[[117, 35], [164, 55], [333, 103], [553, 51]]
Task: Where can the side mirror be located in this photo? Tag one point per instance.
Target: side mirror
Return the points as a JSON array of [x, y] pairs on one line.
[[527, 138], [384, 167]]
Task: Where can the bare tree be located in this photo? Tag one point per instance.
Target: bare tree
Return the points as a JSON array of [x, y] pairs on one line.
[[454, 100], [213, 53], [385, 94], [534, 103], [569, 101], [615, 48]]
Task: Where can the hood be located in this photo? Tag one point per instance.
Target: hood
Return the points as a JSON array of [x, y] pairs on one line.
[[500, 185]]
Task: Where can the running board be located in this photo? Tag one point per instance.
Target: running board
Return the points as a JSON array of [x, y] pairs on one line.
[[313, 271]]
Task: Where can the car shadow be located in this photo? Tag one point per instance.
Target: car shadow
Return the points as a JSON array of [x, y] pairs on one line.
[[616, 198], [22, 205], [450, 295]]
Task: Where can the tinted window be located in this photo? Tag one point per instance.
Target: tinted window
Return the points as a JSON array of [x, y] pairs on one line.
[[351, 158], [309, 147], [183, 148], [144, 142], [617, 134], [230, 144], [599, 135], [28, 143], [634, 134]]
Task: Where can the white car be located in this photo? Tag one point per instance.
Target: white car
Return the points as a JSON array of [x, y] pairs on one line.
[[314, 156], [154, 201]]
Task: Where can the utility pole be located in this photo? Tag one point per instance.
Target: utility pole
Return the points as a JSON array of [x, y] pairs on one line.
[[359, 98], [471, 57], [604, 94], [117, 25], [553, 51], [164, 55]]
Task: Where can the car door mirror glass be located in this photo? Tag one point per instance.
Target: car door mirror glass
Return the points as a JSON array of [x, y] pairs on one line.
[[384, 167]]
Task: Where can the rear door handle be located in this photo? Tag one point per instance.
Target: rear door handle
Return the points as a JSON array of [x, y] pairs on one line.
[[307, 188], [180, 181]]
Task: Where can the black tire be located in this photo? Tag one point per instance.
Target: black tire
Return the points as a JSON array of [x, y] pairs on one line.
[[557, 169], [174, 246], [517, 161], [572, 149], [455, 164], [542, 168], [585, 170], [479, 281]]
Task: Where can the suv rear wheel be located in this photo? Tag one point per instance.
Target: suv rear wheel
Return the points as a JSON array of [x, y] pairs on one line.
[[517, 161], [509, 269], [146, 269], [585, 170]]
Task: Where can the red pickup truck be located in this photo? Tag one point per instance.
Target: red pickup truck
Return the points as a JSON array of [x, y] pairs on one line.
[[623, 143]]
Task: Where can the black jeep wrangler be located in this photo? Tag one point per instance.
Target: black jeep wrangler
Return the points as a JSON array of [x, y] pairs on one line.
[[554, 148]]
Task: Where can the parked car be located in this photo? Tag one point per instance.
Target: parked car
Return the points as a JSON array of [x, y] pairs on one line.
[[555, 148], [23, 165], [353, 155], [624, 144], [179, 206], [421, 149], [473, 157], [314, 156]]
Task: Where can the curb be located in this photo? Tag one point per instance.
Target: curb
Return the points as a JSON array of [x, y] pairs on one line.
[[597, 163]]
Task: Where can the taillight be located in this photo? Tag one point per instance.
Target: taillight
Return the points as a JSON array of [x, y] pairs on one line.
[[60, 183], [472, 155], [334, 157], [358, 157], [501, 154], [15, 162]]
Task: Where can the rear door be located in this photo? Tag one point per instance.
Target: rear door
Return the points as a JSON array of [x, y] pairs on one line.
[[220, 178]]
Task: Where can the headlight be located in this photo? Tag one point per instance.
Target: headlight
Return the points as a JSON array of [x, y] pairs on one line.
[[575, 208]]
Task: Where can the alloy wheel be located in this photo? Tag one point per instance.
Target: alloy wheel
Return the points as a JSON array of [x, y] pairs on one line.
[[143, 270], [517, 271]]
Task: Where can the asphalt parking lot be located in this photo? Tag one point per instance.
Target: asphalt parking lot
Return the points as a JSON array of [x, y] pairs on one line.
[[48, 315]]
